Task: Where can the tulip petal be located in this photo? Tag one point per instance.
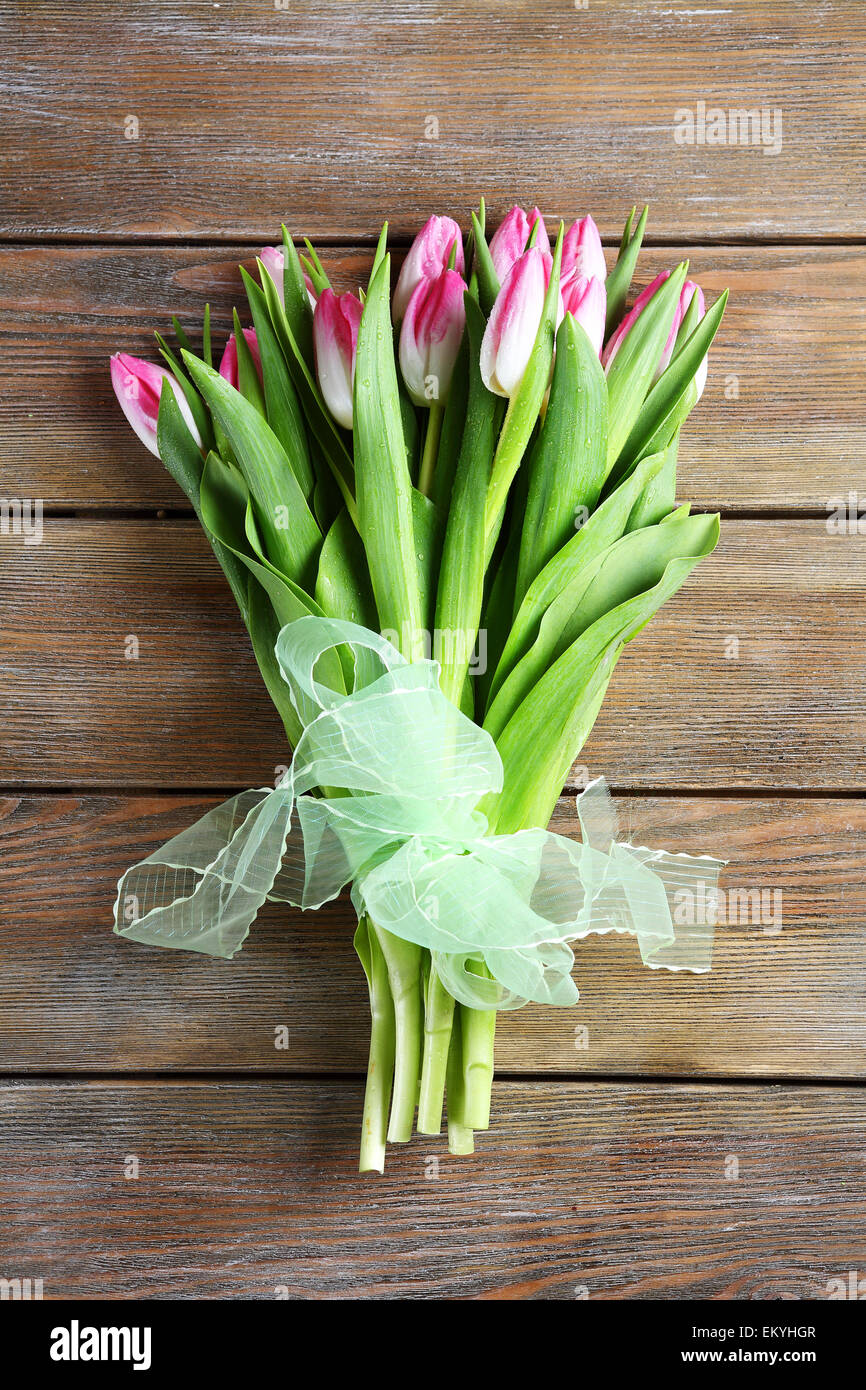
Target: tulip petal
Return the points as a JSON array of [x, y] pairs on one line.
[[430, 337], [335, 341], [427, 257], [513, 324], [137, 385], [582, 252], [508, 242]]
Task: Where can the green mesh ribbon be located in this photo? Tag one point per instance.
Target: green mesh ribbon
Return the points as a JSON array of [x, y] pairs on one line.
[[403, 772]]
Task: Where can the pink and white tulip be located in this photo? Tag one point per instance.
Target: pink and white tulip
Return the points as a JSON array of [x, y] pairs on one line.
[[274, 261], [689, 289], [228, 367], [138, 385], [335, 342], [582, 252], [586, 298], [509, 240], [430, 337], [428, 255], [513, 324]]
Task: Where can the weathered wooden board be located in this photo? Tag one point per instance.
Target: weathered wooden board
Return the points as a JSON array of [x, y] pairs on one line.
[[751, 677], [248, 1190], [176, 137], [781, 423], [784, 998], [338, 115]]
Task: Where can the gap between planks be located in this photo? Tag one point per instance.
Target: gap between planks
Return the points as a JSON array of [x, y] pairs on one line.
[[396, 242], [179, 513], [122, 790], [207, 1079]]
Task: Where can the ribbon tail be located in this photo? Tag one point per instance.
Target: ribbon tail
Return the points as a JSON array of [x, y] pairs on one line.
[[202, 889], [675, 928]]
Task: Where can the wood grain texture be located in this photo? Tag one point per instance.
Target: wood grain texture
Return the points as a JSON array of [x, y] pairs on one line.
[[589, 1183], [320, 112], [780, 425], [784, 998], [191, 711], [600, 1191]]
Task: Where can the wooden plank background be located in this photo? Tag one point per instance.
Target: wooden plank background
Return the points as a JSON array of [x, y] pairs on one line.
[[734, 723], [322, 110], [247, 1189]]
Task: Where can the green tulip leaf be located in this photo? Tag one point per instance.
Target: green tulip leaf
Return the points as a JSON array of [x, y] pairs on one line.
[[661, 412], [282, 408], [605, 526], [382, 481], [461, 576], [630, 374], [549, 720], [568, 463], [297, 311], [323, 428], [619, 280], [292, 536]]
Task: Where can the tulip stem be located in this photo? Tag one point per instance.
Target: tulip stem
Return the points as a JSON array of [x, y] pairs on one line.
[[431, 448], [460, 1138], [478, 1030], [403, 961], [380, 1068], [438, 1017]]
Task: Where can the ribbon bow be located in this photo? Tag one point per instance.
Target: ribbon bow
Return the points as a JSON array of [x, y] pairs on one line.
[[403, 772]]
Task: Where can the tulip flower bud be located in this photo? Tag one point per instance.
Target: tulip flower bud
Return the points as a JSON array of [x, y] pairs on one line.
[[509, 240], [689, 291], [274, 261], [138, 385], [689, 288], [585, 298], [335, 342], [582, 252], [228, 367], [428, 255], [430, 337], [513, 324]]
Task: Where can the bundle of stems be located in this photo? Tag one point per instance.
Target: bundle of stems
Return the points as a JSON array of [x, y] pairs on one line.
[[493, 477]]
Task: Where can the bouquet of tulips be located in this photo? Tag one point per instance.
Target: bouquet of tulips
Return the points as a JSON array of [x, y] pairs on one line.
[[442, 513]]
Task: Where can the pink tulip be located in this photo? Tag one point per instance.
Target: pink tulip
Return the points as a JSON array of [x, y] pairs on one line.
[[689, 288], [513, 324], [228, 367], [430, 336], [428, 256], [335, 342], [509, 240], [137, 385], [582, 252], [585, 297], [631, 317], [274, 261]]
